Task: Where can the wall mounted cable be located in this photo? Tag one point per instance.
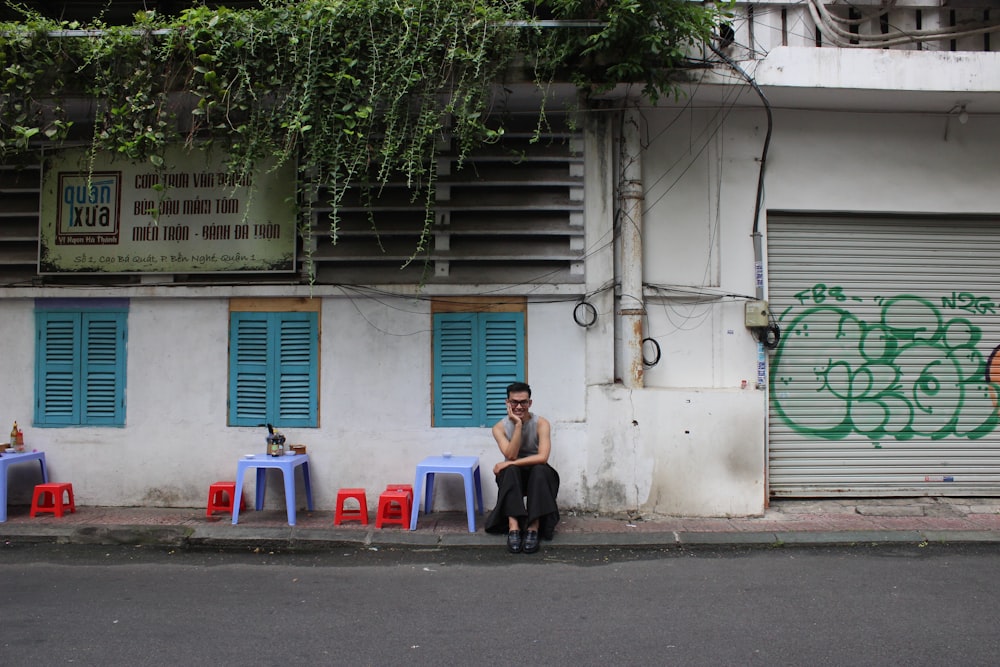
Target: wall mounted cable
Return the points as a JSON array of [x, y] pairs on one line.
[[649, 363], [585, 315], [768, 336]]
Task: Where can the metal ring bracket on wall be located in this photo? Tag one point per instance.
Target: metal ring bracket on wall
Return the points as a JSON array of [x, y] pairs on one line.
[[588, 317], [656, 356]]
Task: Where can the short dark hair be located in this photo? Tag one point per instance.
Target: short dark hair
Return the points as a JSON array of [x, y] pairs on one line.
[[517, 387]]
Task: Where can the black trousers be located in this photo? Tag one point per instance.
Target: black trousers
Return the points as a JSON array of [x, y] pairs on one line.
[[540, 485]]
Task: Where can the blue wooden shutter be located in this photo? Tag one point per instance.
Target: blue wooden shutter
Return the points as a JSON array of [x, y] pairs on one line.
[[502, 336], [57, 371], [454, 369], [273, 362], [476, 355], [80, 368], [103, 369], [296, 344], [248, 369]]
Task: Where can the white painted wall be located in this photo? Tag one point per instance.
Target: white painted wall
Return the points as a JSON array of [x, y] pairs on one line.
[[685, 452], [881, 69], [375, 404], [698, 445], [907, 163], [692, 442]]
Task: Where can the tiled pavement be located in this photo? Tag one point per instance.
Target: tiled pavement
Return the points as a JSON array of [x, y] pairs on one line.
[[785, 522]]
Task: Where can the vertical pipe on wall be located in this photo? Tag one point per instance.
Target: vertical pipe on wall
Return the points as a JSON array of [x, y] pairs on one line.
[[632, 305]]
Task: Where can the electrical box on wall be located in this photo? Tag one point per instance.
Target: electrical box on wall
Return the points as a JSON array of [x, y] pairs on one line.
[[757, 314]]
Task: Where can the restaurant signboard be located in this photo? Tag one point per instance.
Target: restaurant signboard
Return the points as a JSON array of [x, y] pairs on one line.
[[192, 215]]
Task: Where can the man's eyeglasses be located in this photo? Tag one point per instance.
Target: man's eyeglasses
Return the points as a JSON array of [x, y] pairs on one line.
[[521, 404]]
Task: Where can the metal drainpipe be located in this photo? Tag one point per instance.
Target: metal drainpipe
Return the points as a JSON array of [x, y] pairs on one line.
[[632, 306]]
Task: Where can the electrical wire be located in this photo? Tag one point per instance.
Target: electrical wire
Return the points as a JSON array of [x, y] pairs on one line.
[[768, 336], [685, 321], [716, 124], [656, 352], [589, 316], [767, 137], [707, 292], [828, 25]]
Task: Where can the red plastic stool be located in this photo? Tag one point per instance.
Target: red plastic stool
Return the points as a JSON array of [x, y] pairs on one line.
[[220, 498], [400, 487], [53, 497], [394, 508], [347, 514]]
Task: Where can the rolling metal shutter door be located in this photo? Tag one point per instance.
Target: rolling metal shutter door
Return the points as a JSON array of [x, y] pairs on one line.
[[881, 381]]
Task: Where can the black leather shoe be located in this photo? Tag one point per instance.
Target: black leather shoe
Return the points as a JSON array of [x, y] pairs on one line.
[[531, 542], [514, 541]]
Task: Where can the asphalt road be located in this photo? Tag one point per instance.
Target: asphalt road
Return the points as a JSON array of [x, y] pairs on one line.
[[887, 605]]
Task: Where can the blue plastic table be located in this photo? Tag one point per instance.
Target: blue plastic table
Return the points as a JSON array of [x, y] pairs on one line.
[[9, 458], [287, 465], [466, 466]]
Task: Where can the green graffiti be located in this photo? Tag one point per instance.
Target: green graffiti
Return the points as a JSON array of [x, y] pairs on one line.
[[821, 293], [970, 303], [909, 373]]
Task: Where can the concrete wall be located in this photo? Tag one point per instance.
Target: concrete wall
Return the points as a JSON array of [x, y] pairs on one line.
[[894, 163], [686, 452], [375, 405], [698, 443], [691, 442]]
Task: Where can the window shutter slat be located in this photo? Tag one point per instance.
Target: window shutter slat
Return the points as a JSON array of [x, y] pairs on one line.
[[103, 368], [455, 369], [274, 362], [503, 360], [476, 355], [57, 373], [80, 370], [296, 361], [248, 369]]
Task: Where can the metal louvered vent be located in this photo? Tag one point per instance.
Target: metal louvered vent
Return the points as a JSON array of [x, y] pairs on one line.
[[511, 212], [19, 188]]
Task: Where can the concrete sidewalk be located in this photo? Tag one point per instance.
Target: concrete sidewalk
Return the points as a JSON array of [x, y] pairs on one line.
[[786, 522]]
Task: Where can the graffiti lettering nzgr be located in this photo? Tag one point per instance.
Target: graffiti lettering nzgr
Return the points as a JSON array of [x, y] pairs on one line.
[[905, 372]]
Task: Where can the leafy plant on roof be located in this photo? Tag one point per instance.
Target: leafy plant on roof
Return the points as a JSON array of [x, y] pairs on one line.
[[350, 90]]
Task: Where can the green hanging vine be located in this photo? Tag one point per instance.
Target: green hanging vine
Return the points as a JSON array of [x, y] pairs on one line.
[[352, 91]]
